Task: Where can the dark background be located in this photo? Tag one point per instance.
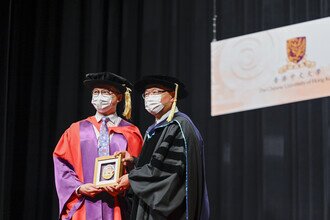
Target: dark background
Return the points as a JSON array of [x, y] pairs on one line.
[[271, 163]]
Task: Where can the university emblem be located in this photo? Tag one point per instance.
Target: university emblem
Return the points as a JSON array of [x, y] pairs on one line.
[[296, 53], [296, 49], [108, 172]]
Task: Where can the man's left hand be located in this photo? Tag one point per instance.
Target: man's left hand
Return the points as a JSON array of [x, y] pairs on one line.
[[123, 183], [111, 190]]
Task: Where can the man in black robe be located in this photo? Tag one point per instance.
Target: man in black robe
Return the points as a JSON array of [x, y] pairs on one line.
[[168, 178]]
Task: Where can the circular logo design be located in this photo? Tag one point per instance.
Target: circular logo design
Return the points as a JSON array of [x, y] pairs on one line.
[[248, 62], [108, 171]]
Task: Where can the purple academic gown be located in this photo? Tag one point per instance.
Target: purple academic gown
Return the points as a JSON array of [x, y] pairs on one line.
[[100, 207]]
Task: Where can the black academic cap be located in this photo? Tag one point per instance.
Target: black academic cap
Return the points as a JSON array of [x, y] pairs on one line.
[[166, 81], [103, 79]]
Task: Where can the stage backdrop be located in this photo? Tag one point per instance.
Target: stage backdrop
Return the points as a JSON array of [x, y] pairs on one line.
[[271, 67], [265, 164]]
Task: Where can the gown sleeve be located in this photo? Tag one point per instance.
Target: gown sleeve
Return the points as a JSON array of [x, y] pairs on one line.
[[66, 178]]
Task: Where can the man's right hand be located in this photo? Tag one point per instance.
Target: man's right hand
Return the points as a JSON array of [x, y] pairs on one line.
[[127, 159], [89, 189]]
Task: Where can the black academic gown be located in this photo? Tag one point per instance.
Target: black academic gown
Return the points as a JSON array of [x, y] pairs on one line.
[[168, 181]]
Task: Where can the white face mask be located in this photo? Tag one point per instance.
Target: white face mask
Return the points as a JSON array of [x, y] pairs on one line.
[[102, 103], [153, 104]]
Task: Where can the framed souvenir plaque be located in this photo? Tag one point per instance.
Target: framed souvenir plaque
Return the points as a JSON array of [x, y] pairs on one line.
[[108, 170]]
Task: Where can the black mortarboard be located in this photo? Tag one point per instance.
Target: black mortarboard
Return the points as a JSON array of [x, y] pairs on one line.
[[103, 79], [166, 81]]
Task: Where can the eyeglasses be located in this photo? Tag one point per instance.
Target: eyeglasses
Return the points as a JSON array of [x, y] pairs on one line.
[[103, 92], [155, 92]]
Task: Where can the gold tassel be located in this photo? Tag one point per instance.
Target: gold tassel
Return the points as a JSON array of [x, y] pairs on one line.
[[171, 115], [128, 105]]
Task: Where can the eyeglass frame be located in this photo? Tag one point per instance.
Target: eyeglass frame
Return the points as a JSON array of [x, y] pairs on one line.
[[102, 92], [155, 92]]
